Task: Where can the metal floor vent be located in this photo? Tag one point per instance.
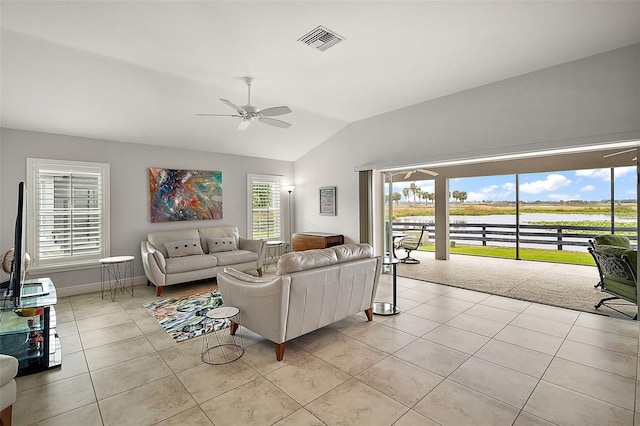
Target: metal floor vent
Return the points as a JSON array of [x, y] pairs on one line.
[[321, 38]]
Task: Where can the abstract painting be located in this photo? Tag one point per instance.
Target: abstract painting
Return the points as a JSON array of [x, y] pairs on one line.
[[185, 195]]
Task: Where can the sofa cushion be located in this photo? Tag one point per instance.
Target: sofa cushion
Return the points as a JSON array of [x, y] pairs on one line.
[[235, 257], [349, 252], [217, 232], [190, 263], [216, 245], [613, 240], [183, 248], [303, 260], [619, 251], [159, 238]]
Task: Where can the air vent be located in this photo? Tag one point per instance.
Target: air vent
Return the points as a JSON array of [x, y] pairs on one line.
[[321, 38]]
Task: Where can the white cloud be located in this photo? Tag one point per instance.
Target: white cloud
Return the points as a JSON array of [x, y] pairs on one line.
[[492, 192], [605, 174], [587, 188], [476, 196], [551, 183], [428, 188], [564, 197], [509, 186]]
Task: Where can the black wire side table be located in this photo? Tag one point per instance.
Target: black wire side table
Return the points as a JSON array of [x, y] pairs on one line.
[[227, 347], [115, 272]]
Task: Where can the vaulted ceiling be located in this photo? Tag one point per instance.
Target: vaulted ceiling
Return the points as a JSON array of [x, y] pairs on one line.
[[139, 71]]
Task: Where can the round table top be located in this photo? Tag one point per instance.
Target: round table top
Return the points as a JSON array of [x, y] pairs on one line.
[[223, 312], [117, 259], [389, 260]]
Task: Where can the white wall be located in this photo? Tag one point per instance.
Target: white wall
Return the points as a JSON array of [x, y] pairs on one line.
[[593, 100], [130, 221]]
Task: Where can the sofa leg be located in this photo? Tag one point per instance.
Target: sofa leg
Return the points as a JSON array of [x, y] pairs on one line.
[[5, 416], [280, 350], [369, 314], [233, 327], [259, 271], [159, 290]]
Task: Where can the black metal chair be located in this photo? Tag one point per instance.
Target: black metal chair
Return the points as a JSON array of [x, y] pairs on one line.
[[618, 277], [411, 242]]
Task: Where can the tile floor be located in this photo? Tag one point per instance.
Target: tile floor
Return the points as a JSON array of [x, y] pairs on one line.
[[452, 357]]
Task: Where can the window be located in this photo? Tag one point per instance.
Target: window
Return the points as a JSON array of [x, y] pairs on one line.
[[264, 214], [67, 213]]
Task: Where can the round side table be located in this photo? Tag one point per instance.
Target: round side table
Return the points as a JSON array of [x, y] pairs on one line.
[[113, 274], [227, 347]]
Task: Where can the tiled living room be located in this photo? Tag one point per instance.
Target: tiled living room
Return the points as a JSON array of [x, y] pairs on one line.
[[447, 86], [451, 357]]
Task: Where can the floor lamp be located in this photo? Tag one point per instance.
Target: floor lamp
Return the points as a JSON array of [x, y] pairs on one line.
[[290, 189]]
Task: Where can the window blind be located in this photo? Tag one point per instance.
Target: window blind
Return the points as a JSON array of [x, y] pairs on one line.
[[69, 214], [266, 212]]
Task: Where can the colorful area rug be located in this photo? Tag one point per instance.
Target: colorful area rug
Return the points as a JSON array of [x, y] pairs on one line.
[[185, 318]]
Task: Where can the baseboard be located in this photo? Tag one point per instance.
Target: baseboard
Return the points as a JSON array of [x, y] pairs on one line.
[[91, 287]]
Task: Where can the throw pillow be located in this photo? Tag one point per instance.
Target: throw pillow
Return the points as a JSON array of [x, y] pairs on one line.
[[183, 248], [221, 244]]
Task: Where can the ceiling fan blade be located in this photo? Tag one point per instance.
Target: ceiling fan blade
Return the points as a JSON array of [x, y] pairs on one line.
[[408, 175], [234, 106], [275, 111], [619, 152], [217, 115], [244, 123], [428, 172], [274, 122]]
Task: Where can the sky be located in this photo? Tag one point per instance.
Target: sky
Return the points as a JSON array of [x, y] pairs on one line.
[[584, 185]]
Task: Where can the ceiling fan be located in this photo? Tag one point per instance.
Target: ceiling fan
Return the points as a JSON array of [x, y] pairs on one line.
[[425, 171], [249, 113], [622, 152]]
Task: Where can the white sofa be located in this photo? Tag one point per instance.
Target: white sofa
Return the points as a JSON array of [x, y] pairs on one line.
[[174, 257], [8, 370], [311, 289]]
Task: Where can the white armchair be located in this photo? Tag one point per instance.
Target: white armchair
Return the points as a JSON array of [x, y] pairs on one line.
[[8, 371]]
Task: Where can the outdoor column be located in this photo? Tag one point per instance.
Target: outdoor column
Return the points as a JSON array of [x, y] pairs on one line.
[[442, 218]]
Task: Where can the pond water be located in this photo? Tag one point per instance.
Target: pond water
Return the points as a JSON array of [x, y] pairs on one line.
[[525, 218]]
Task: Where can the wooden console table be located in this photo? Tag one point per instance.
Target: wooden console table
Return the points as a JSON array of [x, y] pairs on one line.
[[315, 240]]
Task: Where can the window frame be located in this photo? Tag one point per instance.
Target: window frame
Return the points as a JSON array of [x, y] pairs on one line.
[[34, 168], [274, 179]]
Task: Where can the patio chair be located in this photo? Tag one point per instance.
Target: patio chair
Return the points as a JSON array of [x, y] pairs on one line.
[[411, 242], [618, 276], [609, 240]]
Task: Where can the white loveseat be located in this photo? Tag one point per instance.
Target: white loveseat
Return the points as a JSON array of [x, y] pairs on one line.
[[173, 257], [311, 289]]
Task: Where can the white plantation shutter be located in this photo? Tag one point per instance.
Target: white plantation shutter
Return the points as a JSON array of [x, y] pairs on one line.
[[265, 213], [68, 218]]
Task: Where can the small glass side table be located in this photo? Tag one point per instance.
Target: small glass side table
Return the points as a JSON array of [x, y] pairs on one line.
[[386, 308], [227, 347], [113, 273]]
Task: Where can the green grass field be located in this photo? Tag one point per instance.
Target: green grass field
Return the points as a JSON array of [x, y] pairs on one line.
[[542, 255]]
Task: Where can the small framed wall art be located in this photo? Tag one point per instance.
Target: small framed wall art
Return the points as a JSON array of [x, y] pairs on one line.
[[328, 201]]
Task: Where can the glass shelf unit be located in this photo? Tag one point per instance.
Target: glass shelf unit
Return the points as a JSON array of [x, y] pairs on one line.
[[29, 331]]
